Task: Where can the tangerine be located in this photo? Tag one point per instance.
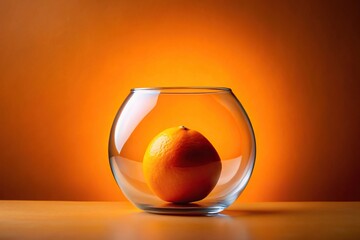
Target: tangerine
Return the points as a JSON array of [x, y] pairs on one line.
[[180, 165]]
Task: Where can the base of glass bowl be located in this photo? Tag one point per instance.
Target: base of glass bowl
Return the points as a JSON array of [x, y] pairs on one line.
[[183, 209]]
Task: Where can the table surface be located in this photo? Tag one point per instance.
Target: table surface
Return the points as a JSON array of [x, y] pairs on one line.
[[120, 220]]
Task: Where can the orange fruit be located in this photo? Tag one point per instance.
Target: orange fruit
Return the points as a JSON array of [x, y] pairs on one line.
[[181, 166]]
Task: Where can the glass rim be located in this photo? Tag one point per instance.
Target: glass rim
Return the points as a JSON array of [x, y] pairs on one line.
[[182, 90]]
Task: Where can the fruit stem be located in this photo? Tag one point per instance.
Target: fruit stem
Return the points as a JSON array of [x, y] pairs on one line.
[[183, 127]]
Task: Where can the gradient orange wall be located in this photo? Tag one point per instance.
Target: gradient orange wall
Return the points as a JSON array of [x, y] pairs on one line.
[[66, 66]]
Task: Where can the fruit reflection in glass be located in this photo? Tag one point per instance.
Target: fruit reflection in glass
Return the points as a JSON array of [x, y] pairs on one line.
[[182, 150]]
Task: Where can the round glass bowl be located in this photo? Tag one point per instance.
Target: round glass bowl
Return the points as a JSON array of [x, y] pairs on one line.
[[214, 112]]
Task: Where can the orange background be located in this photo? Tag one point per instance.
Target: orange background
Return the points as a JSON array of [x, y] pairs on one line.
[[66, 67]]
